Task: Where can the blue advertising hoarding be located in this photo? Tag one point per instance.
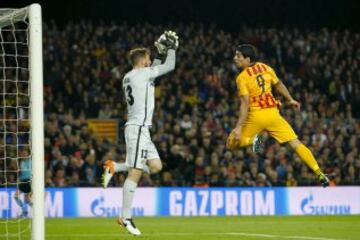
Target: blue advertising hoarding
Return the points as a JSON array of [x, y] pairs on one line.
[[98, 202]]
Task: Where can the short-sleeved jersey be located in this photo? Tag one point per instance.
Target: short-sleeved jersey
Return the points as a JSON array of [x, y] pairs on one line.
[[256, 81], [25, 169]]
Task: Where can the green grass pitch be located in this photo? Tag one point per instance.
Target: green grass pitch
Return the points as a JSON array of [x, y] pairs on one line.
[[198, 228]]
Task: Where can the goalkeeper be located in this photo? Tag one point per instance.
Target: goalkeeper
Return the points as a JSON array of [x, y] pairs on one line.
[[139, 88], [24, 187]]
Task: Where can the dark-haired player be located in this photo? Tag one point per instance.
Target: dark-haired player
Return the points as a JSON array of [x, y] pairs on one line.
[[259, 109]]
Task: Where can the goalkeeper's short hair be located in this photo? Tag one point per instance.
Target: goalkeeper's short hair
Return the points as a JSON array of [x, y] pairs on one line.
[[248, 50], [137, 53]]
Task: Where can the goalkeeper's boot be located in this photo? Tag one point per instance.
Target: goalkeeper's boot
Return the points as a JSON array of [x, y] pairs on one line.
[[109, 171], [257, 144], [324, 180], [129, 225]]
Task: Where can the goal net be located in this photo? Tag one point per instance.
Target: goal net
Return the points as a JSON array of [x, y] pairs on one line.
[[21, 124]]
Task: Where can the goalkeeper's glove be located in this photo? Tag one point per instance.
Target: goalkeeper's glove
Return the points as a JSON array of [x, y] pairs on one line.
[[167, 40], [171, 40], [161, 49]]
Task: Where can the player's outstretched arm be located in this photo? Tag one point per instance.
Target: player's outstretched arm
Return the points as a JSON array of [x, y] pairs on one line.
[[166, 67], [160, 50], [282, 89], [168, 42], [156, 62]]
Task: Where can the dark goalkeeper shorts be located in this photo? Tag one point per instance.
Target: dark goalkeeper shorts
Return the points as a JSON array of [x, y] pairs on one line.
[[25, 186]]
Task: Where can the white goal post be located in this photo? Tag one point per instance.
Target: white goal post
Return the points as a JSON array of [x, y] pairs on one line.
[[31, 17], [37, 120]]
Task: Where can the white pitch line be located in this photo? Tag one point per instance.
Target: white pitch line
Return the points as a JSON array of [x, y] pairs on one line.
[[255, 235], [279, 236]]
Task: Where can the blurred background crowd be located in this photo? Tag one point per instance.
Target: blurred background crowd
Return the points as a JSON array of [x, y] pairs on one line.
[[196, 105]]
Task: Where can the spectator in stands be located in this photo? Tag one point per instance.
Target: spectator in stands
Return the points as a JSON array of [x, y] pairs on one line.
[[84, 63]]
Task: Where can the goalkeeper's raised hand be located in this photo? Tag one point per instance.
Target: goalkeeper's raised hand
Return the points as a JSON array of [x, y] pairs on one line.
[[172, 40], [167, 40], [161, 49]]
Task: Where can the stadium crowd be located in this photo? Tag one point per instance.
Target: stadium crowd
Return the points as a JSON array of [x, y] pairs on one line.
[[196, 105]]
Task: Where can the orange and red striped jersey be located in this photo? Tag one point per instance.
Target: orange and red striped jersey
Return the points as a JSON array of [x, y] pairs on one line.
[[256, 81]]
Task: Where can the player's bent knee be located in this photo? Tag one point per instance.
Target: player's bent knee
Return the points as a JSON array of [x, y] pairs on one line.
[[155, 165], [156, 168], [159, 168], [294, 143]]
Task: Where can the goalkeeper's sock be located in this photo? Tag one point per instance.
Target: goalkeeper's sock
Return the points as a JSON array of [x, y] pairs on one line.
[[19, 202], [128, 196], [120, 167], [305, 154]]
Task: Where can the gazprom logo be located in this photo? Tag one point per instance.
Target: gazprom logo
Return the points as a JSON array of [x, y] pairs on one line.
[[99, 209], [104, 207], [311, 207]]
